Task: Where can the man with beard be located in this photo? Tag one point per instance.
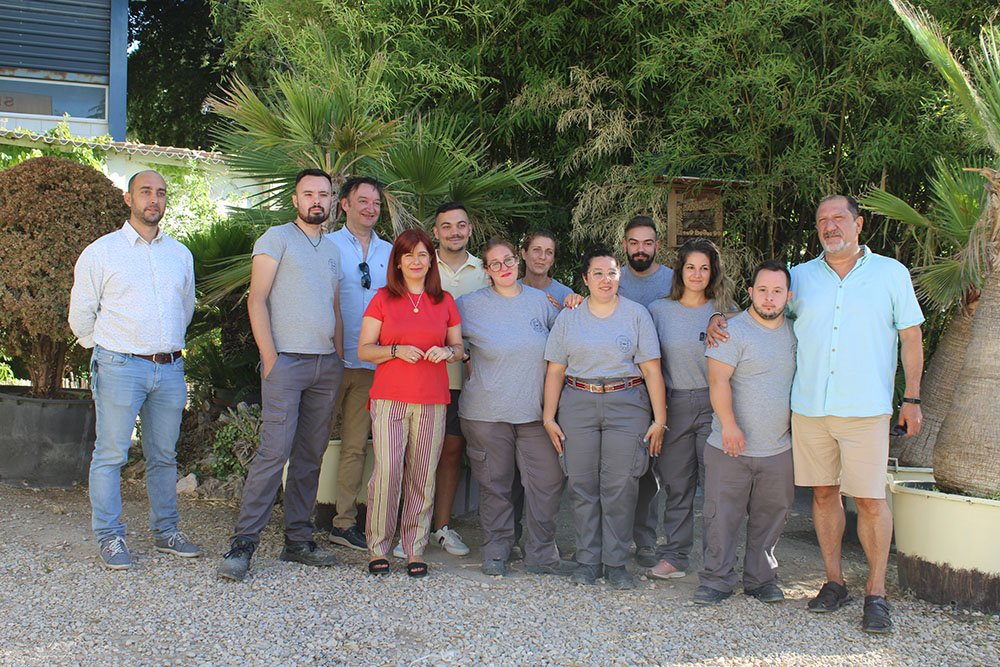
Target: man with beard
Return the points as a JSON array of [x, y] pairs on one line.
[[360, 246], [294, 305], [851, 309], [644, 281], [748, 463], [132, 301]]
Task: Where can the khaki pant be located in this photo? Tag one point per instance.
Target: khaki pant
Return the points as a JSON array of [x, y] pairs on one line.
[[355, 427]]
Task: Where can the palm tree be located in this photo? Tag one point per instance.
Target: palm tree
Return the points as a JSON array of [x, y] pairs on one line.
[[967, 451], [336, 126], [950, 270]]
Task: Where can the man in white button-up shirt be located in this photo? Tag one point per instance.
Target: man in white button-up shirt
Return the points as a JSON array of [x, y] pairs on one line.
[[132, 301]]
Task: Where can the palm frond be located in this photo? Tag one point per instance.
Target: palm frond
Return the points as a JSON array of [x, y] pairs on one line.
[[232, 275]]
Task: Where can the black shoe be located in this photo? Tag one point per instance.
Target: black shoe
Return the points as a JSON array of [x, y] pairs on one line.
[[646, 556], [236, 561], [766, 593], [349, 537], [706, 595], [307, 553], [876, 615], [586, 575], [831, 597], [619, 578]]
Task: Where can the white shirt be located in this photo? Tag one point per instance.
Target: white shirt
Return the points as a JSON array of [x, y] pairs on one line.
[[131, 296]]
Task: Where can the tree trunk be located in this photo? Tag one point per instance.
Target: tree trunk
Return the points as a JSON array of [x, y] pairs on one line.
[[45, 367], [967, 452], [938, 391]]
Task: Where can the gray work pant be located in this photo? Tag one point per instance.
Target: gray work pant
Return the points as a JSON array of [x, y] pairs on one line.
[[496, 451], [681, 466], [758, 488], [647, 510], [298, 398], [604, 457]]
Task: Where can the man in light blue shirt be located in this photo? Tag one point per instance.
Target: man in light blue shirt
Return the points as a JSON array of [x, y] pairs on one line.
[[365, 258], [132, 301]]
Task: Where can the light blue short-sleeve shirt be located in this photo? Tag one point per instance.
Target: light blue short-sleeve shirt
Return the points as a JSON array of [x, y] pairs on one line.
[[847, 333], [354, 298]]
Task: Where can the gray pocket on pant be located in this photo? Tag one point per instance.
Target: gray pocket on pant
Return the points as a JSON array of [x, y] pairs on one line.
[[562, 464], [640, 464]]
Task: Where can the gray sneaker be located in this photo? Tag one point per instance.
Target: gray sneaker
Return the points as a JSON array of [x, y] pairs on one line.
[[586, 574], [177, 544], [619, 578], [114, 553], [307, 553], [561, 568], [494, 568], [236, 562]]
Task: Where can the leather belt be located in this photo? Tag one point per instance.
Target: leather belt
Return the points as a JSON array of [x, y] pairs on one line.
[[160, 357], [625, 383]]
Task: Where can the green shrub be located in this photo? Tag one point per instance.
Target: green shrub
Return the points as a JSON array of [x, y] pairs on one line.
[[236, 442]]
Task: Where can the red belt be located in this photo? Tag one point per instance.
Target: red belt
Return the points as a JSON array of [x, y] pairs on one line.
[[160, 357], [626, 383]]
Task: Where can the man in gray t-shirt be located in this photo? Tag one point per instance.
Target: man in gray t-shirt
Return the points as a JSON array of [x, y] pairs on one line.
[[294, 305], [748, 463], [644, 280]]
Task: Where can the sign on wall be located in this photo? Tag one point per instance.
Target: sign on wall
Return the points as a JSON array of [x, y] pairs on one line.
[[25, 103]]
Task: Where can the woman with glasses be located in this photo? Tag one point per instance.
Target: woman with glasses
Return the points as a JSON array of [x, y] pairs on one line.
[[409, 330], [680, 319], [539, 254], [604, 378], [505, 326]]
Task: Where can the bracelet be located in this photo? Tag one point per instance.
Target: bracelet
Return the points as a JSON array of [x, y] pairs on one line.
[[915, 401], [452, 351], [393, 351], [663, 426], [716, 313], [548, 421]]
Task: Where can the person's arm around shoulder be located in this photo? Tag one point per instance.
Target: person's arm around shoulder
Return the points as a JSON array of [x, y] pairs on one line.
[[85, 297], [263, 269], [912, 356], [721, 394], [715, 332]]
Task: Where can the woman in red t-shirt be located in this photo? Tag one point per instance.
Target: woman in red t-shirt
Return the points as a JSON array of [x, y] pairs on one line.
[[410, 328]]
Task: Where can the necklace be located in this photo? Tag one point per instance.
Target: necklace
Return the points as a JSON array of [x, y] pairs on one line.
[[315, 246], [415, 304]]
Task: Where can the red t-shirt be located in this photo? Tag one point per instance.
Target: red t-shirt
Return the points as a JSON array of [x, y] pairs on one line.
[[397, 380]]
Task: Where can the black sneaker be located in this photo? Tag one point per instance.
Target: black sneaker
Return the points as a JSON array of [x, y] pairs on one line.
[[646, 556], [586, 575], [766, 593], [307, 553], [236, 562], [619, 578], [706, 595], [349, 537]]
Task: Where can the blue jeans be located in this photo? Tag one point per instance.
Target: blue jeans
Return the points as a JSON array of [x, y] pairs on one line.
[[123, 387]]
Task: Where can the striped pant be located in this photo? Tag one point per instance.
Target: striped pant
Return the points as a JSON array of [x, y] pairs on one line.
[[407, 438]]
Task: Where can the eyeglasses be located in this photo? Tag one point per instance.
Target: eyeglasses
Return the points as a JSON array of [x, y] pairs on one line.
[[509, 261], [366, 276], [611, 274]]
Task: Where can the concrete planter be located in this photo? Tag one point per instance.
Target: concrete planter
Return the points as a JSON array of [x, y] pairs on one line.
[[948, 546], [45, 442]]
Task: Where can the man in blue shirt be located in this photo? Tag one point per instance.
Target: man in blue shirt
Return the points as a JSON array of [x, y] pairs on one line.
[[365, 257]]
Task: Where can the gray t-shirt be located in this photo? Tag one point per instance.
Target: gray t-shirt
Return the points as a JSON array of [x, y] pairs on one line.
[[591, 347], [506, 342], [645, 289], [301, 299], [682, 345], [557, 291], [764, 360]]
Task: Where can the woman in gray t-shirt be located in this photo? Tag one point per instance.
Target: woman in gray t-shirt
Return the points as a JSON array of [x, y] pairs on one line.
[[603, 377], [506, 325], [681, 319]]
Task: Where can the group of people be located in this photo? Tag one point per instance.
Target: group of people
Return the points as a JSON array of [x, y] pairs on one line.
[[633, 397]]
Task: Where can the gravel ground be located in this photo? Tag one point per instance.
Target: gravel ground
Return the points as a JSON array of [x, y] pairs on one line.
[[57, 607]]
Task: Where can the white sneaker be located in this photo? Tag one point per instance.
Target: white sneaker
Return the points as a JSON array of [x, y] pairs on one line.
[[398, 551], [450, 541]]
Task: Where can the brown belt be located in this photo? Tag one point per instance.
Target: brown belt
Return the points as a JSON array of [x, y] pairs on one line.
[[626, 383], [160, 357]]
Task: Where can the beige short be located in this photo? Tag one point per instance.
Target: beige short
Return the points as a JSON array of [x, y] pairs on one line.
[[851, 452]]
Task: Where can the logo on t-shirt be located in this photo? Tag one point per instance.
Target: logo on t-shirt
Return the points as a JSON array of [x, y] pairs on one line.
[[624, 343], [333, 266], [537, 325]]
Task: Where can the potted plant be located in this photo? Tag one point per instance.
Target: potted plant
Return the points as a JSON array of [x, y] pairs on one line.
[[948, 533], [50, 209]]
